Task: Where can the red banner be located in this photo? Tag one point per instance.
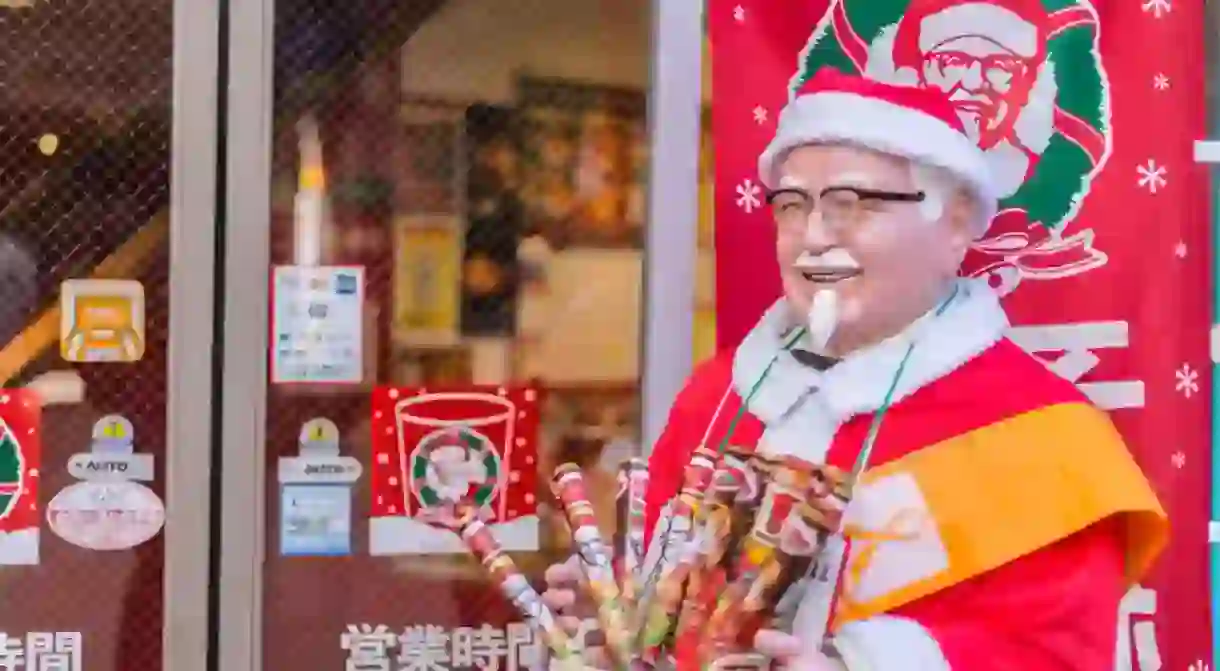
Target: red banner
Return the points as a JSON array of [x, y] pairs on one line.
[[1102, 246]]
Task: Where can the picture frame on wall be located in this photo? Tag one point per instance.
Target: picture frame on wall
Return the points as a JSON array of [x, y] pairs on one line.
[[494, 222], [584, 162], [427, 280]]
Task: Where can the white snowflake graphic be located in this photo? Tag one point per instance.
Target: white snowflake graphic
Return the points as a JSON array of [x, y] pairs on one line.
[[1152, 176], [1157, 8], [1160, 82], [1178, 459], [749, 196], [1179, 250], [1199, 665], [1187, 380], [739, 13], [760, 115]]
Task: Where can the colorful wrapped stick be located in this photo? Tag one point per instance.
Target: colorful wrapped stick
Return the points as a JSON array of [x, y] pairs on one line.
[[662, 609], [762, 575], [827, 506], [820, 517], [596, 559], [711, 541], [629, 530], [828, 499], [721, 560], [514, 585], [745, 507]]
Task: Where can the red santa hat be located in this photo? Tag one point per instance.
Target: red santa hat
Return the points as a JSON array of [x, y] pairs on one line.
[[1019, 26], [916, 123]]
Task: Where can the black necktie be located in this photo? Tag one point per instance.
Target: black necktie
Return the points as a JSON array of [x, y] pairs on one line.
[[819, 362]]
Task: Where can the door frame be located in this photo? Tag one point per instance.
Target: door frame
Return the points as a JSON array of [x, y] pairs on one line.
[[246, 310], [189, 439]]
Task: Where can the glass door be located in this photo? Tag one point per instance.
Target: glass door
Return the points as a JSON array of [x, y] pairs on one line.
[[434, 292], [107, 168]]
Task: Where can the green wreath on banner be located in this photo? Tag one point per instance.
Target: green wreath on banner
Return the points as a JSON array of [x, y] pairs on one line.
[[1028, 81], [474, 442]]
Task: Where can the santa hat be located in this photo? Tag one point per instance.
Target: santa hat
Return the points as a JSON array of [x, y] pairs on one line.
[[1019, 26], [916, 123]]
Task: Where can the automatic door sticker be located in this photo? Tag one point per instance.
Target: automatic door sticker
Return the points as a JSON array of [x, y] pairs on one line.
[[112, 456], [316, 494], [101, 321], [109, 509]]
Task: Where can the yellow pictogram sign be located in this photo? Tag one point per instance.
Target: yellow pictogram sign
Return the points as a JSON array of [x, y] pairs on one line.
[[101, 321]]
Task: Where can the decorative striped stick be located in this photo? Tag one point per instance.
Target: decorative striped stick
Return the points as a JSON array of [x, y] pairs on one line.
[[665, 600], [513, 583], [596, 558], [629, 531]]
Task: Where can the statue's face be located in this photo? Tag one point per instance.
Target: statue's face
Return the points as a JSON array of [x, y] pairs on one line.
[[887, 260]]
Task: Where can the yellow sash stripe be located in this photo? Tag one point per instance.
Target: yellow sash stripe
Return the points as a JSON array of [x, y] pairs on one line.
[[1003, 491]]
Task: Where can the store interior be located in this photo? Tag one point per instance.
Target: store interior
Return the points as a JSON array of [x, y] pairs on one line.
[[486, 163], [500, 209], [491, 177]]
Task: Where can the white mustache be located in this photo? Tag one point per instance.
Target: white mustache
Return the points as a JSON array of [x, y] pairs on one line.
[[836, 259]]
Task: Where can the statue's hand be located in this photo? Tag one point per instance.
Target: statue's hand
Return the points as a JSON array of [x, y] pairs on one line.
[[572, 606], [793, 655]]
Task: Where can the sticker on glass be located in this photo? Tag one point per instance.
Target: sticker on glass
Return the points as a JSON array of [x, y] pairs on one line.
[[109, 509], [316, 494], [101, 321]]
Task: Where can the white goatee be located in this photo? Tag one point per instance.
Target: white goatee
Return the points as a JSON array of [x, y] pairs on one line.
[[823, 318]]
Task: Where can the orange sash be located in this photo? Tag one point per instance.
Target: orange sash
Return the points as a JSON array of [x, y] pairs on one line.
[[960, 508]]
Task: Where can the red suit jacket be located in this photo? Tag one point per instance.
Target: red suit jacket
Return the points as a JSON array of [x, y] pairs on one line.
[[1053, 609]]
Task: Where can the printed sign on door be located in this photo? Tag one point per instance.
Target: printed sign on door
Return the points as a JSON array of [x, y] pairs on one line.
[[20, 435], [434, 450]]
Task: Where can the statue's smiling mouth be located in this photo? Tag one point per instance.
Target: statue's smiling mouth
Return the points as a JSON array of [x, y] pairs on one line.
[[829, 275]]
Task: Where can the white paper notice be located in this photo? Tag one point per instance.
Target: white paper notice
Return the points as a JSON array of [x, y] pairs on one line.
[[317, 329]]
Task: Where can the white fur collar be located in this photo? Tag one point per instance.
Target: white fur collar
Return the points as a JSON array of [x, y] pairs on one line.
[[972, 322]]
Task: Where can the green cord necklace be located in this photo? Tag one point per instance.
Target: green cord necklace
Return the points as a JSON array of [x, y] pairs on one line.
[[874, 427]]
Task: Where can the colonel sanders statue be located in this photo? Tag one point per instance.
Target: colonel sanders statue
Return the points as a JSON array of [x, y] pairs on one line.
[[1000, 518]]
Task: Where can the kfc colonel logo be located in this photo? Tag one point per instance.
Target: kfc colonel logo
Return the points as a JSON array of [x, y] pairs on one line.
[[1028, 83]]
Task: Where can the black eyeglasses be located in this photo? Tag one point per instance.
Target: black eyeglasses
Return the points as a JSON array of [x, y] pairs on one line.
[[840, 205]]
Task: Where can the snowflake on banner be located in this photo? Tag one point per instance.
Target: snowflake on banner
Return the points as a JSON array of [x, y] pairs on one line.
[[1152, 176], [1187, 380], [1199, 665], [1157, 8], [749, 196], [739, 13], [760, 115], [1178, 459], [1160, 82], [1179, 250]]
